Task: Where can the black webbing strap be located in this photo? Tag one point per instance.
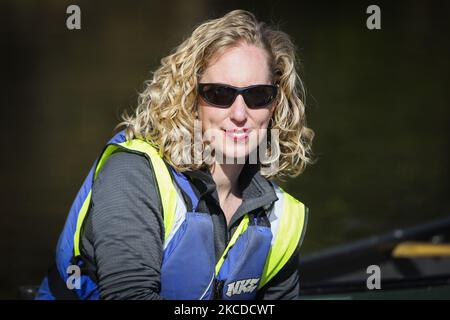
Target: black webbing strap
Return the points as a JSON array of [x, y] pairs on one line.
[[58, 287]]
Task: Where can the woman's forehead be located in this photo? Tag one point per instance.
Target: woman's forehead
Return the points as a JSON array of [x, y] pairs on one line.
[[239, 65]]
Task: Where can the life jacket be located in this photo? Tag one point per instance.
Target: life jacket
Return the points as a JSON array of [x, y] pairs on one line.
[[259, 248]]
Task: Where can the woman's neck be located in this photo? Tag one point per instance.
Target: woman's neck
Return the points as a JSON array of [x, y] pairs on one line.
[[226, 177]]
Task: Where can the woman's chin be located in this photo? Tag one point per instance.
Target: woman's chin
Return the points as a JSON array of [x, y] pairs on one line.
[[235, 155]]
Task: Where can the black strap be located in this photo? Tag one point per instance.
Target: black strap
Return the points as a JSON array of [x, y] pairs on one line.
[[218, 289], [58, 287], [86, 267], [259, 218]]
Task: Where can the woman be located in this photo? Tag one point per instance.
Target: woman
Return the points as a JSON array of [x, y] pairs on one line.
[[179, 204]]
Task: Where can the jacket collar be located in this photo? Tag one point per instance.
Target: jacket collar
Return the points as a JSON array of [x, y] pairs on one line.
[[256, 190]]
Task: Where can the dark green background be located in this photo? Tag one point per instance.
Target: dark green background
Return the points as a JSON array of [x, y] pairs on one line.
[[378, 101]]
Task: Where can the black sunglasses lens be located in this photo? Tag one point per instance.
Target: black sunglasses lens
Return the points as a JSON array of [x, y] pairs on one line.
[[260, 96], [223, 96], [218, 95]]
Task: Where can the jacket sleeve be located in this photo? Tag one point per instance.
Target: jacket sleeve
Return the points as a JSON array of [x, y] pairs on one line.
[[124, 230]]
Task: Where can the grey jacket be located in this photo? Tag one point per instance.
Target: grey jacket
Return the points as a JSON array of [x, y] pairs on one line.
[[123, 234]]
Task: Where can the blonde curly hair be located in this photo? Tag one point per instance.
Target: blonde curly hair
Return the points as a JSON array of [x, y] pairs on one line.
[[166, 109]]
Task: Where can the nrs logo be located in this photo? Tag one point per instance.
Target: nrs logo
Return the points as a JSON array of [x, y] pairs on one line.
[[242, 286]]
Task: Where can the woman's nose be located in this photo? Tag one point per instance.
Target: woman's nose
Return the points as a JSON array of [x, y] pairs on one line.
[[238, 109]]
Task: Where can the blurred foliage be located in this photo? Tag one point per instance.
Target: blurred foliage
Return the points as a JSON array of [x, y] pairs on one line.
[[377, 100]]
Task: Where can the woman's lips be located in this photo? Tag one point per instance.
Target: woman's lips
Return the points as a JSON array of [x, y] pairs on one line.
[[240, 134]]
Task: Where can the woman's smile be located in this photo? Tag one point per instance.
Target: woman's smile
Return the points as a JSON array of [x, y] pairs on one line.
[[238, 134]]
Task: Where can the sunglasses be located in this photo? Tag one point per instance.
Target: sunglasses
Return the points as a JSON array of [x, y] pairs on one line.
[[223, 96]]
